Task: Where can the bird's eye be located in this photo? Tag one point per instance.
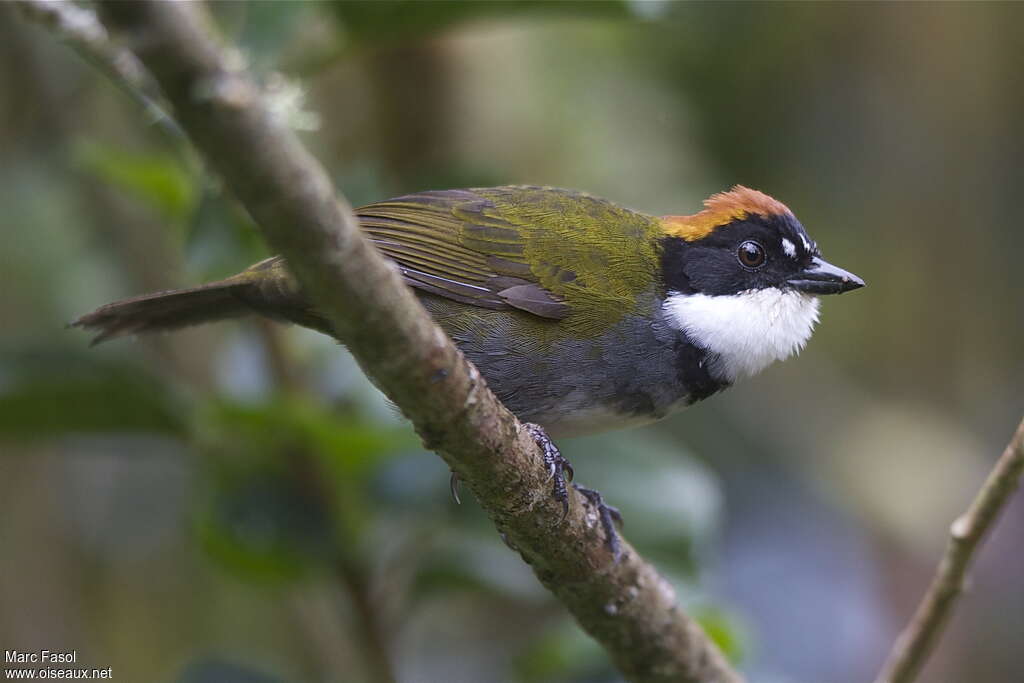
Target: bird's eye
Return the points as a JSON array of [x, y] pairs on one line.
[[751, 254]]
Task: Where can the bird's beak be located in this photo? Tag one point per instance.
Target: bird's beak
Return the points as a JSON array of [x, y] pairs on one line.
[[821, 277]]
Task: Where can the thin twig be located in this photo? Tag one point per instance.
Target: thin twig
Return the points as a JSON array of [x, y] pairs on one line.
[[913, 646], [627, 606], [376, 650], [81, 29]]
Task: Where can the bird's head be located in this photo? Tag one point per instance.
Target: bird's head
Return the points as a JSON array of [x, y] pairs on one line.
[[741, 280]]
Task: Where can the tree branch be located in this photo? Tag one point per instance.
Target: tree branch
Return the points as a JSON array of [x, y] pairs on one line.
[[915, 643], [627, 606]]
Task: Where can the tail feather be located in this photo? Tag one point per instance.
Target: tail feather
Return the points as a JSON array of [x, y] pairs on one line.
[[168, 310], [266, 289]]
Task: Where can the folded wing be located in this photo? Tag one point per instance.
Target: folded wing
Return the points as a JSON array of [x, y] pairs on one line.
[[541, 250]]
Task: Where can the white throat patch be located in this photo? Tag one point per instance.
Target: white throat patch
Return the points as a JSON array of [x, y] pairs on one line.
[[748, 330]]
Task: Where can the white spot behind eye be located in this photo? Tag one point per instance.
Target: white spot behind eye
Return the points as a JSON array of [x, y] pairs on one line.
[[789, 248]]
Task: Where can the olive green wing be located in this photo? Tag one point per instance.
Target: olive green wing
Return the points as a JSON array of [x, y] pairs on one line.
[[547, 251]]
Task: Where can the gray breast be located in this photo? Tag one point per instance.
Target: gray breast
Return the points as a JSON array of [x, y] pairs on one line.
[[628, 375]]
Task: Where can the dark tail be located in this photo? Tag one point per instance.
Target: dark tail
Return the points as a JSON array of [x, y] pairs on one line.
[[168, 310], [266, 289]]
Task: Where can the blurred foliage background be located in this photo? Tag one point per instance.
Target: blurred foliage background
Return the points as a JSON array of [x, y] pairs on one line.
[[237, 503]]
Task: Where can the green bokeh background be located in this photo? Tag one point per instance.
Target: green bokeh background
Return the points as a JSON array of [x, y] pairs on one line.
[[237, 503]]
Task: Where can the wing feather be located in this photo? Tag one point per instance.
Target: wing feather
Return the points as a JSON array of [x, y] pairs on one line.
[[540, 250]]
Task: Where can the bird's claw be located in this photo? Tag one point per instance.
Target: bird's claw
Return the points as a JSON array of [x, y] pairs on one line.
[[453, 485], [610, 518], [559, 469], [561, 474]]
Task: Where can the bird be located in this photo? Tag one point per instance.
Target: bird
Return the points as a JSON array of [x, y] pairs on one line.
[[581, 315]]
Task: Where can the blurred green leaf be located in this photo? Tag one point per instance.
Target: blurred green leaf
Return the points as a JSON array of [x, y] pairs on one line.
[[562, 653], [723, 628], [46, 394], [287, 489], [670, 501], [348, 443], [266, 525], [475, 563], [267, 27], [157, 179]]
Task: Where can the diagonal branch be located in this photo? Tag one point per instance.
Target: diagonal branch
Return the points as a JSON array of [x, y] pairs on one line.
[[627, 606], [913, 646], [81, 29]]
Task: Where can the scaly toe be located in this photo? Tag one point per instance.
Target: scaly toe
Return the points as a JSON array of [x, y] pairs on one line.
[[559, 470], [609, 516]]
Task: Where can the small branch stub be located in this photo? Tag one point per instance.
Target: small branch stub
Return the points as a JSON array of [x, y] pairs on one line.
[[911, 650]]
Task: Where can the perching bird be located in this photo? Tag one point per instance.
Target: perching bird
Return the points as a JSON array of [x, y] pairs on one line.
[[582, 315]]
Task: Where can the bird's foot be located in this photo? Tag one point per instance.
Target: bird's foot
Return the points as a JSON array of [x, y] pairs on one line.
[[560, 470], [611, 520], [561, 473]]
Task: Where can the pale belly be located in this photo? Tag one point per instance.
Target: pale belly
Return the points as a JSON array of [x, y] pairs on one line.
[[595, 420]]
